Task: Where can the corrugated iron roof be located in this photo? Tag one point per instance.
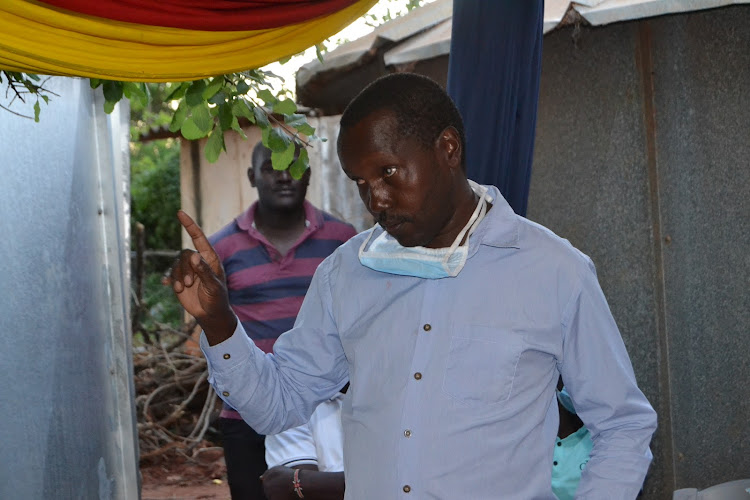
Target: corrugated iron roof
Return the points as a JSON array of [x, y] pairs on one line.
[[425, 32]]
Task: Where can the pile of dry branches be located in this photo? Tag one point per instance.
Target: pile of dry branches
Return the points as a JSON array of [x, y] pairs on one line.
[[174, 401]]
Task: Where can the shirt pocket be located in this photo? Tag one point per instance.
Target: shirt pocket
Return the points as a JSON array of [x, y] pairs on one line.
[[481, 365]]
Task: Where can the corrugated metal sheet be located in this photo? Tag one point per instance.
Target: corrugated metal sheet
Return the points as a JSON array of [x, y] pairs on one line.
[[426, 32]]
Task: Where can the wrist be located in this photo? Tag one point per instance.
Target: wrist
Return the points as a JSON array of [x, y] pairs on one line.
[[219, 327], [296, 484]]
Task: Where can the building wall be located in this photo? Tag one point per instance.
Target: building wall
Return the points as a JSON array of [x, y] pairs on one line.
[[642, 161], [66, 398]]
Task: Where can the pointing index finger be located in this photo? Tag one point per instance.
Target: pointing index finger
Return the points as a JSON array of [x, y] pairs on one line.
[[200, 241]]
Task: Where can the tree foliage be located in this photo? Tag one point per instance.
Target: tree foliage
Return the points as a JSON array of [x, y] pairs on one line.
[[210, 107], [206, 108]]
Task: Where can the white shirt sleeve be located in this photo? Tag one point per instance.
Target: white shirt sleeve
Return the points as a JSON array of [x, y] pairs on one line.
[[292, 447]]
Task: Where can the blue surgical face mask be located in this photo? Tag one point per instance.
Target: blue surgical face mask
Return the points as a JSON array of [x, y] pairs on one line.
[[565, 400], [385, 254]]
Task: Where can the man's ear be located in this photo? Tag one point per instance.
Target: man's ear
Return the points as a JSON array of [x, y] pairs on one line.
[[251, 176], [449, 147]]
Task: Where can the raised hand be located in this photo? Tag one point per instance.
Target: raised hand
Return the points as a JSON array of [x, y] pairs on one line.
[[197, 278]]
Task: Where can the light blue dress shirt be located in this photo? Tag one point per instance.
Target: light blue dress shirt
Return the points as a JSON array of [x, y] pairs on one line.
[[453, 380]]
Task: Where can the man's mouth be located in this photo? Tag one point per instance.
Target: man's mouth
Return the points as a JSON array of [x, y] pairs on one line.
[[391, 225]]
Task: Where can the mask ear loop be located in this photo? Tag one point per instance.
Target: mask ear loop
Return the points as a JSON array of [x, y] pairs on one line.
[[468, 230], [365, 243]]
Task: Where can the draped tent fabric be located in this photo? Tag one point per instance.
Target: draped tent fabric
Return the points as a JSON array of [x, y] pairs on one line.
[[216, 15], [38, 38], [496, 89]]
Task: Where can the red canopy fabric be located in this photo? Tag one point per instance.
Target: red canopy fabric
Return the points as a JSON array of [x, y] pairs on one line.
[[207, 15]]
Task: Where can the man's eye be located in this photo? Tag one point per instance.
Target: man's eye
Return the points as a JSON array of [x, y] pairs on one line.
[[389, 171]]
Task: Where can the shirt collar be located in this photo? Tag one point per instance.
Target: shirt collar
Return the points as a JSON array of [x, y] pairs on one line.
[[499, 228], [313, 220], [313, 217]]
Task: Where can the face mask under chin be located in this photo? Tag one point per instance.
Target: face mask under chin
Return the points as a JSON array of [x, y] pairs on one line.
[[387, 255]]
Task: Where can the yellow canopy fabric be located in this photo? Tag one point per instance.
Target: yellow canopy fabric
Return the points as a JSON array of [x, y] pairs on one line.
[[37, 38]]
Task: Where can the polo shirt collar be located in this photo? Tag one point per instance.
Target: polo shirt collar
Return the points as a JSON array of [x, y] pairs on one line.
[[313, 219]]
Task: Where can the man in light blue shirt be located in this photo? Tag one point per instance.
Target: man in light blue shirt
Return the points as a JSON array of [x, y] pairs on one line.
[[453, 319]]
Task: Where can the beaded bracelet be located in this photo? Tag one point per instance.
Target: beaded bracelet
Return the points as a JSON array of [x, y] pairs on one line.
[[297, 485]]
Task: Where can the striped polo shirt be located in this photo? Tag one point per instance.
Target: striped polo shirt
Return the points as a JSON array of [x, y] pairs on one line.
[[265, 288]]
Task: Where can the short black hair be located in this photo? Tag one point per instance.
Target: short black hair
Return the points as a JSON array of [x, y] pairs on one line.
[[422, 108]]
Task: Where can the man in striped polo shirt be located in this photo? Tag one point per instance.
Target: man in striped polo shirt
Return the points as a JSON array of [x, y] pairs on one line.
[[269, 253]]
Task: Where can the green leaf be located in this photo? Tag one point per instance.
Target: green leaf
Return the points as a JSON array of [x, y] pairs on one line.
[[202, 117], [241, 108], [31, 76], [278, 141], [299, 122], [294, 120], [281, 159], [109, 106], [199, 124], [267, 97], [213, 88], [112, 91], [285, 107], [179, 117], [242, 87], [225, 116], [194, 94], [300, 165], [133, 91], [191, 131], [37, 109], [236, 127], [218, 98], [319, 48], [284, 60], [46, 98], [178, 91], [260, 117], [215, 145]]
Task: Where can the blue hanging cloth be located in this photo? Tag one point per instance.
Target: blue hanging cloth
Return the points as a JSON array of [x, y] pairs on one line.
[[493, 76]]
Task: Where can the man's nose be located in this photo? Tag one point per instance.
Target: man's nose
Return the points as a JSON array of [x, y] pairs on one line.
[[283, 175], [378, 200]]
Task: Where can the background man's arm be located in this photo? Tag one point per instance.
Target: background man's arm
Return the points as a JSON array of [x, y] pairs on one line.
[[296, 449], [315, 485]]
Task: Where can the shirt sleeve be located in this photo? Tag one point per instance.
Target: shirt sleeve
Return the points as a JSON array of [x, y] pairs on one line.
[[292, 447], [274, 392], [599, 377]]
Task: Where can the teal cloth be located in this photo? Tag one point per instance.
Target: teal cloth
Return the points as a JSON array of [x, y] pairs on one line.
[[569, 459]]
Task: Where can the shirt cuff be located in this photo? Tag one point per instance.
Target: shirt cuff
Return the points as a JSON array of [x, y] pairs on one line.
[[232, 367], [229, 353]]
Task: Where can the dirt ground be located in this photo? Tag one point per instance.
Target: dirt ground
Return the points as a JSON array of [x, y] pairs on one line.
[[204, 478]]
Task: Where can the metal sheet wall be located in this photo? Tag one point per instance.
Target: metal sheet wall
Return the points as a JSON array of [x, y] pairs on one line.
[[67, 398], [642, 161]]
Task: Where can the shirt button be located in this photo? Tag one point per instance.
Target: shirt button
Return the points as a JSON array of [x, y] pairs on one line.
[[407, 433], [427, 327], [559, 443], [406, 488], [418, 376], [225, 393], [554, 463], [227, 356]]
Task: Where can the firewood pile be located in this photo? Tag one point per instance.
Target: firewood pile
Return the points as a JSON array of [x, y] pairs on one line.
[[174, 402]]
